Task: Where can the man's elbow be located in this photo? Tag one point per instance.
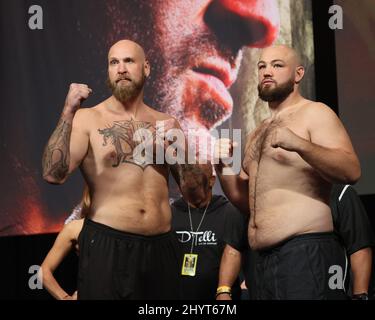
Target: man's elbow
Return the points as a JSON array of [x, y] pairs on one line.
[[53, 180], [233, 197], [354, 174], [239, 202], [55, 174], [44, 275]]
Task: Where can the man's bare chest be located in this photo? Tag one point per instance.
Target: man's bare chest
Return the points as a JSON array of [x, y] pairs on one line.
[[259, 146], [117, 142]]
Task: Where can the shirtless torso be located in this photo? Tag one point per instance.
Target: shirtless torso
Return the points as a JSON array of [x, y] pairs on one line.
[[290, 162], [287, 196], [119, 146], [126, 194]]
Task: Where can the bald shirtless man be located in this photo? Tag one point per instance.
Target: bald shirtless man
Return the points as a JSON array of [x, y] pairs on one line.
[[290, 162], [126, 248]]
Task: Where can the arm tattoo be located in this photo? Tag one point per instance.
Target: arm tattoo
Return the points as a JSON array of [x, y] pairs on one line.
[[56, 154]]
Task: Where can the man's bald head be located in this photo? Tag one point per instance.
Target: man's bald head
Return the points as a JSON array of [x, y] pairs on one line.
[[127, 70], [280, 71], [128, 46]]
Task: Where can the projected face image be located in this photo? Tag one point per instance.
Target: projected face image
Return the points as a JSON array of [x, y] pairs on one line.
[[194, 49]]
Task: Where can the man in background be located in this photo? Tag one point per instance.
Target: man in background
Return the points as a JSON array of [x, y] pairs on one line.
[[212, 234], [355, 232]]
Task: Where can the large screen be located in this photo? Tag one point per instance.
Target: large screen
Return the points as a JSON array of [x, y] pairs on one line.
[[48, 45]]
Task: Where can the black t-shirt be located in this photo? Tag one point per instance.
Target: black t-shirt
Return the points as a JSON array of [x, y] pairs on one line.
[[350, 219], [352, 226], [223, 224]]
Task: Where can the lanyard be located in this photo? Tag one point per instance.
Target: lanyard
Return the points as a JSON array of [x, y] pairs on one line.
[[199, 225]]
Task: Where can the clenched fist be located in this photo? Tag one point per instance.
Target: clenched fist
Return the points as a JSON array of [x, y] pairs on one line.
[[74, 296], [77, 94], [224, 150], [285, 138]]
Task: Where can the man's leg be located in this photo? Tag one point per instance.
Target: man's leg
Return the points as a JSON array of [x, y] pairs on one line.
[[162, 273]]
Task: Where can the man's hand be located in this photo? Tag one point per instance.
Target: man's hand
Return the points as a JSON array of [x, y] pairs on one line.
[[224, 150], [70, 297], [169, 132], [224, 296], [76, 95], [283, 137], [75, 295], [162, 129]]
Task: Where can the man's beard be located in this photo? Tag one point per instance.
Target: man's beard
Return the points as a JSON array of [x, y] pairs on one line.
[[128, 92], [279, 93]]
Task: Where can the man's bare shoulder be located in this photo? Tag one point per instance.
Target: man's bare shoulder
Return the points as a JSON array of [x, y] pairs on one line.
[[85, 112], [87, 115], [98, 109], [318, 114], [248, 137], [157, 115], [170, 122], [317, 109]]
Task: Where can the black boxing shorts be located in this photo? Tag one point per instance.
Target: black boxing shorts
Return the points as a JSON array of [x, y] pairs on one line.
[[119, 265], [308, 266]]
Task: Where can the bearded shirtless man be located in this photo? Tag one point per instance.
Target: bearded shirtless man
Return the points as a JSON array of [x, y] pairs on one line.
[[127, 250], [290, 162]]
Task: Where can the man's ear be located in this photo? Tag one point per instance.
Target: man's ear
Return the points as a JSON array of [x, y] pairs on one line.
[[147, 68], [300, 72]]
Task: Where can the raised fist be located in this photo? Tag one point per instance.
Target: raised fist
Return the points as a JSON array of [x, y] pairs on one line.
[[224, 150], [77, 94], [283, 137]]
